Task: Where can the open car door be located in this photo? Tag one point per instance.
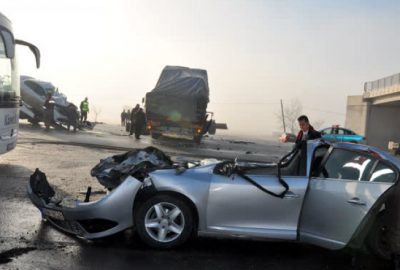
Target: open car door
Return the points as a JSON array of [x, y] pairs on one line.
[[256, 203], [342, 191]]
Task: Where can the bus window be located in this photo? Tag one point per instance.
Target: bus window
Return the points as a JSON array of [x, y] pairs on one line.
[[6, 91]]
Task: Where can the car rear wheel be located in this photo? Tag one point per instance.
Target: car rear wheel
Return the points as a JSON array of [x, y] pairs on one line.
[[164, 221], [377, 241]]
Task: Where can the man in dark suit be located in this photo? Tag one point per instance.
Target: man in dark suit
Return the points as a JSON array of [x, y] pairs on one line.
[[307, 132]]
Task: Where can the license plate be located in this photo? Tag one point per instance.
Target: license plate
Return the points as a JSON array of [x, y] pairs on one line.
[[178, 131], [53, 213]]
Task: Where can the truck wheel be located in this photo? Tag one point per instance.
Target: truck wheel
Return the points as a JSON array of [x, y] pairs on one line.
[[212, 129], [164, 221], [197, 139], [155, 135], [377, 239]]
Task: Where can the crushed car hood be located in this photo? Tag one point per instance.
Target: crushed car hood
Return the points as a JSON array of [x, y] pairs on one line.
[[110, 172]]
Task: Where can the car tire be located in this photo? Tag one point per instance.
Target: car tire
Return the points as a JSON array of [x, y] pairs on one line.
[[377, 239], [157, 228]]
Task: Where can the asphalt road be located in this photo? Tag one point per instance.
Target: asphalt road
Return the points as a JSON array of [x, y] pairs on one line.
[[28, 243]]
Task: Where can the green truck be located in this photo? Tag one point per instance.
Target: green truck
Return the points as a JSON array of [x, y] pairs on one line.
[[177, 106]]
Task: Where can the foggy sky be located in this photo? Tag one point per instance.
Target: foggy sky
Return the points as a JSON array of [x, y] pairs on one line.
[[255, 52]]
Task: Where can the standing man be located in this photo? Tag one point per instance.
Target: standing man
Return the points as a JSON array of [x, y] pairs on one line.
[[127, 121], [132, 118], [84, 109], [307, 131], [73, 116], [140, 122], [48, 111], [123, 116]]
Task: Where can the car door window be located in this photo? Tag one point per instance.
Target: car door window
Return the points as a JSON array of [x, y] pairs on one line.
[[318, 157], [348, 165], [340, 131], [383, 173], [326, 131], [348, 132]]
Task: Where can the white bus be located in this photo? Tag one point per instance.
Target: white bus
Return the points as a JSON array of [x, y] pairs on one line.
[[10, 98]]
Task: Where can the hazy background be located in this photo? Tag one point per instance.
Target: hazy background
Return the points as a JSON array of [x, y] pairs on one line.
[[255, 52]]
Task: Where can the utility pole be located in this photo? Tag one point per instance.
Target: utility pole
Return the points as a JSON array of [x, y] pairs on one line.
[[283, 117]]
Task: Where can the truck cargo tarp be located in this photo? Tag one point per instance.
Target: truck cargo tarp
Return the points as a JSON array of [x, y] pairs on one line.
[[182, 81], [181, 93]]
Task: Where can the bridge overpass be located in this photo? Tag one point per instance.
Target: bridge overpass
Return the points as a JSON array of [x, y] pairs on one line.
[[376, 113]]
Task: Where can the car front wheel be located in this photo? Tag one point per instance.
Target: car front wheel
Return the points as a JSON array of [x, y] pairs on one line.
[[164, 221]]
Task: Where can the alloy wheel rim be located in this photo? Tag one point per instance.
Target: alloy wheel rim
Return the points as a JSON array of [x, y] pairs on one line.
[[164, 222]]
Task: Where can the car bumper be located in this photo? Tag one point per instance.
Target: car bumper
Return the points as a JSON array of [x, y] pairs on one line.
[[90, 220]]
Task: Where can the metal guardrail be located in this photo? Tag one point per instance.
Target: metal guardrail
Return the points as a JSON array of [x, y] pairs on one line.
[[385, 86]]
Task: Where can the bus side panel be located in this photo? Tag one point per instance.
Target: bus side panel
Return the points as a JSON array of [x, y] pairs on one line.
[[8, 128]]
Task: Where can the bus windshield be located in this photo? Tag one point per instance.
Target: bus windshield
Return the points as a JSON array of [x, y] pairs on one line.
[[9, 89]]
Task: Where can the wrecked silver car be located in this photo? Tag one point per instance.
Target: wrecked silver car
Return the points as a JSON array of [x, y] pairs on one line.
[[329, 195]]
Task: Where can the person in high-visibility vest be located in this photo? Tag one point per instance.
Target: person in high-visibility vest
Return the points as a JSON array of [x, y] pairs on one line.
[[84, 109]]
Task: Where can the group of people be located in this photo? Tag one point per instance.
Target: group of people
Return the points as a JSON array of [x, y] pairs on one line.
[[71, 112], [135, 119]]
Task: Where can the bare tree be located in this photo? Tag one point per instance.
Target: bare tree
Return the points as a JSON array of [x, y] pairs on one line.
[[96, 111], [291, 111]]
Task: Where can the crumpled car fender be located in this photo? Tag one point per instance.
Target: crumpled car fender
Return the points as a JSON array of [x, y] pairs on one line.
[[90, 220]]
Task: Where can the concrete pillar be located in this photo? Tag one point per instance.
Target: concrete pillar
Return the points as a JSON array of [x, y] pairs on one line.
[[383, 125], [357, 114], [379, 123]]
